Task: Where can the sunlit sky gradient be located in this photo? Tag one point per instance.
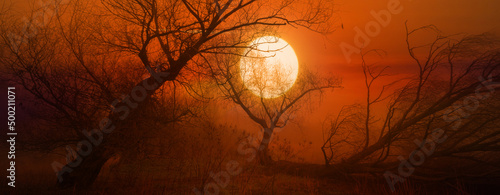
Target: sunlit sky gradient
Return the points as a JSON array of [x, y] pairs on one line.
[[323, 53]]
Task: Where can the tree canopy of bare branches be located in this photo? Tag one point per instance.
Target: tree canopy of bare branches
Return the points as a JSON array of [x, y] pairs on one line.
[[79, 59], [452, 96], [268, 113]]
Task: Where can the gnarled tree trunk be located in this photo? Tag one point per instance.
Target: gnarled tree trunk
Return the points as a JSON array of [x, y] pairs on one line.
[[82, 174]]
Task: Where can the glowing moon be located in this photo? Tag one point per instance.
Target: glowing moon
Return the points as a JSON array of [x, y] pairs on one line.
[[269, 67]]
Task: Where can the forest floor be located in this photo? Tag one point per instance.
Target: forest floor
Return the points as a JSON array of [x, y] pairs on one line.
[[159, 177]]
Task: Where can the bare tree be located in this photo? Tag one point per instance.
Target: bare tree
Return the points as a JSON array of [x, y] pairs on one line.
[[250, 94], [338, 134], [452, 75], [79, 62]]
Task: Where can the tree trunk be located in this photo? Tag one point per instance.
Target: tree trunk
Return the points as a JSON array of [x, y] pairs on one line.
[[263, 155], [83, 175], [356, 158]]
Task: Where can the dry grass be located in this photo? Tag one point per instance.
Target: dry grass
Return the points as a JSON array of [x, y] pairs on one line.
[[255, 179], [180, 172]]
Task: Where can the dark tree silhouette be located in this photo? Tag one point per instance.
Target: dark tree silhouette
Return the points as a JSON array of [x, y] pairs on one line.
[[268, 113], [452, 96], [79, 62]]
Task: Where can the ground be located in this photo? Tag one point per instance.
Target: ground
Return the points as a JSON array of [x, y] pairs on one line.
[[169, 176]]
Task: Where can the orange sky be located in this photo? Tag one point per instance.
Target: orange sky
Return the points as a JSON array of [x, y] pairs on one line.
[[324, 53]]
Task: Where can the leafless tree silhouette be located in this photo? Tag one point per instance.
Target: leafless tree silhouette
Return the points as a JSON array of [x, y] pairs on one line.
[[452, 96], [79, 62], [268, 113]]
